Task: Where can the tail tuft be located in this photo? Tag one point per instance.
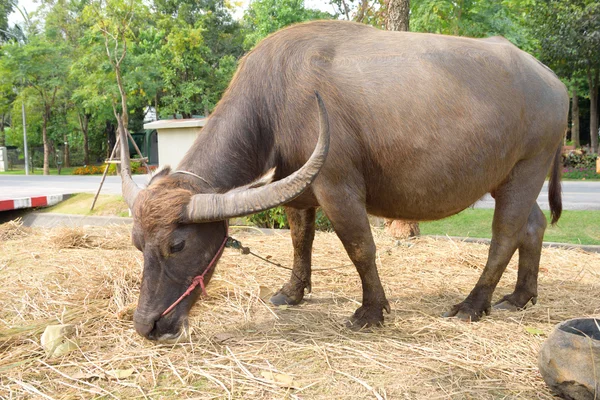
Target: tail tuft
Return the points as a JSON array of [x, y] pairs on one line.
[[554, 188]]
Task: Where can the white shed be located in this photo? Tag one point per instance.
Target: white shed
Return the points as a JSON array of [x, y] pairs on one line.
[[175, 137]]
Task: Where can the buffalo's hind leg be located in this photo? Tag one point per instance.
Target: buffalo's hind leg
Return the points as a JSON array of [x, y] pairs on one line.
[[516, 213], [302, 226], [530, 249]]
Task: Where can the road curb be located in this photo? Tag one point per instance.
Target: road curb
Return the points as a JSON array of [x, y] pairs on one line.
[[550, 245], [31, 202], [52, 220]]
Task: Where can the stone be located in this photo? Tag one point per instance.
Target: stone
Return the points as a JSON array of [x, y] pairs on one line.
[[569, 359], [58, 340]]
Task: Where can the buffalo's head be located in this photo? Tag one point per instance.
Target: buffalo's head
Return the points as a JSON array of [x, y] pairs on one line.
[[180, 232]]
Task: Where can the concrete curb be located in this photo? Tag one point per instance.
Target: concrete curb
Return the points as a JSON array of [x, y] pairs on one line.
[[51, 220], [568, 246], [30, 202]]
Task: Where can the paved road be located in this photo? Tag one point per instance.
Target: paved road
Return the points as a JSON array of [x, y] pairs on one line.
[[577, 195], [18, 186]]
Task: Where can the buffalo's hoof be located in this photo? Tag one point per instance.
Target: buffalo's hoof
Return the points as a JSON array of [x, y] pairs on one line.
[[367, 317], [466, 312], [281, 299], [510, 303]]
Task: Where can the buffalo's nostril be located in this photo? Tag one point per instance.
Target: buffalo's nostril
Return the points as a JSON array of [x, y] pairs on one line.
[[144, 326]]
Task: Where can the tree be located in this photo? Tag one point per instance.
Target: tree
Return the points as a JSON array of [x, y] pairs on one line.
[[569, 37], [267, 16], [197, 55], [7, 96], [6, 8], [114, 26], [41, 66]]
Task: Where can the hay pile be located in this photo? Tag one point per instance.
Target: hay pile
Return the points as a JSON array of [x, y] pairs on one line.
[[13, 230], [242, 348]]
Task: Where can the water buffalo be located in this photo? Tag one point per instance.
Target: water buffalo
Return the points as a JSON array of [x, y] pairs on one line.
[[421, 127]]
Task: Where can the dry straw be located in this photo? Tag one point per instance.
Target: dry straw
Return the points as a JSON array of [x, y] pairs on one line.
[[239, 347]]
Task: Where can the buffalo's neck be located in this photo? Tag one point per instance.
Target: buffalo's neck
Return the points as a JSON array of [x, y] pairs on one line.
[[233, 149]]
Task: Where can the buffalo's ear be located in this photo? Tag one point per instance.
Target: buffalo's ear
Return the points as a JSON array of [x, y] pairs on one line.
[[160, 173], [262, 181]]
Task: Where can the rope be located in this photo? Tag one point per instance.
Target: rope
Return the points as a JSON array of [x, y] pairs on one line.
[[236, 244]]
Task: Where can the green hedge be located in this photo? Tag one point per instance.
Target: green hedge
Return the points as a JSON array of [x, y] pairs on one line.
[[276, 218]]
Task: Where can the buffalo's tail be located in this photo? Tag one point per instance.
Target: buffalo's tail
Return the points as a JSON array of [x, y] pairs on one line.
[[554, 188]]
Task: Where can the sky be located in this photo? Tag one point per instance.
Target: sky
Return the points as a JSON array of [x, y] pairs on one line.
[[31, 5], [26, 5]]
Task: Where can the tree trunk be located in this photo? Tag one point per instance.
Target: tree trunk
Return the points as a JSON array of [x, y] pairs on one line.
[[2, 134], [362, 11], [593, 83], [46, 145], [66, 155], [111, 137], [398, 15], [575, 119], [346, 11], [83, 124], [400, 229]]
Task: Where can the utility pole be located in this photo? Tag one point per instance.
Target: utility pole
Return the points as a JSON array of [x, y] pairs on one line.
[[25, 19], [25, 139]]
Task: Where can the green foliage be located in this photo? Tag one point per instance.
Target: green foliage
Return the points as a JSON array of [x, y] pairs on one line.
[[6, 8], [267, 16], [196, 55], [474, 18], [322, 223], [582, 174], [568, 33], [276, 218]]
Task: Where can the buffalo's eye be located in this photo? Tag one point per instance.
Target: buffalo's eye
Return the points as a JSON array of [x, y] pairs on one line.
[[177, 247]]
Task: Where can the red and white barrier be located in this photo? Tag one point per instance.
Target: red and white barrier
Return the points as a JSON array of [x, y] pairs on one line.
[[30, 202]]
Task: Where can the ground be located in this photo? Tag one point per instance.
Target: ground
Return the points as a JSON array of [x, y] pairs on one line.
[[240, 347]]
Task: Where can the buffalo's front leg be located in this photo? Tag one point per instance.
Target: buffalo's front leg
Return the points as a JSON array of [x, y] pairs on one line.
[[350, 221], [302, 226]]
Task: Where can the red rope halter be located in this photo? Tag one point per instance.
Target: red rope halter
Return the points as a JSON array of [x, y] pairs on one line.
[[199, 280]]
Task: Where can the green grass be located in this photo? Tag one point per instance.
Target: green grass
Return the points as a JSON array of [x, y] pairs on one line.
[[39, 171], [80, 204], [577, 227]]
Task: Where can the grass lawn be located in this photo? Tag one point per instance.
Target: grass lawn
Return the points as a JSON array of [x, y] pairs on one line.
[[40, 171], [80, 204], [578, 227]]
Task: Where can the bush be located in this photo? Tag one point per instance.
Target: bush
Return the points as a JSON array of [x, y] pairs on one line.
[[578, 159], [276, 218], [581, 173], [136, 168], [89, 170]]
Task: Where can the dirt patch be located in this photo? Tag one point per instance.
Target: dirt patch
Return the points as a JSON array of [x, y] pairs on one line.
[[240, 347]]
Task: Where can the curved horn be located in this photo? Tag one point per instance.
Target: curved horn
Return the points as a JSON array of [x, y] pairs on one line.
[[216, 207], [129, 188]]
